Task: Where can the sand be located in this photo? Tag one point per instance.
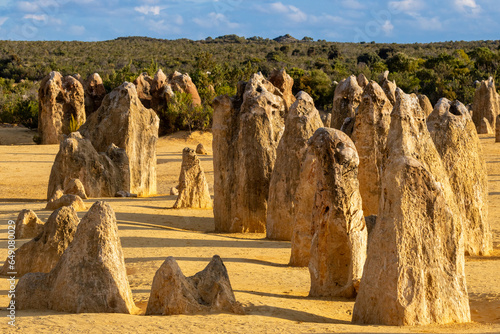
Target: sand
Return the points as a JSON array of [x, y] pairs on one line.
[[274, 295]]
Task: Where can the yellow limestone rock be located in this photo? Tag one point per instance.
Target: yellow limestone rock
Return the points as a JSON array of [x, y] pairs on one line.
[[301, 122], [455, 137], [370, 137], [414, 273]]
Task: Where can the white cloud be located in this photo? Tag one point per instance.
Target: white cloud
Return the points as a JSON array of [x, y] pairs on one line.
[[28, 7], [214, 20], [467, 6], [387, 27], [291, 12], [278, 7], [3, 19], [155, 10], [77, 30], [35, 17], [352, 4], [406, 6]]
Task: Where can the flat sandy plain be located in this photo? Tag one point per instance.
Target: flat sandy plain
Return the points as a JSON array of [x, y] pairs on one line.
[[274, 295]]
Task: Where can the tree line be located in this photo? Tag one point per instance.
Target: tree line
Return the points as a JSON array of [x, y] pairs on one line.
[[216, 65]]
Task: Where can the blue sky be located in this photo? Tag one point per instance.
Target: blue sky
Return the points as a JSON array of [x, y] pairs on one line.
[[400, 21]]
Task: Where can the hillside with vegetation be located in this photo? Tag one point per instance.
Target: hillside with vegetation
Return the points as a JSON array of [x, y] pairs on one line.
[[445, 69]]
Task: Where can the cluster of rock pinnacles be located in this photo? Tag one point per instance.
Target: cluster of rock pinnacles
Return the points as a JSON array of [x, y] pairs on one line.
[[381, 204]]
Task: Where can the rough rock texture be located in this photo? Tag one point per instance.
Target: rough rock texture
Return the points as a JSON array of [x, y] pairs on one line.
[[101, 174], [207, 291], [456, 140], [425, 104], [389, 87], [58, 201], [28, 225], [159, 99], [345, 101], [59, 98], [339, 234], [348, 125], [362, 80], [301, 122], [78, 77], [304, 202], [484, 127], [94, 93], [143, 86], [370, 137], [497, 130], [174, 191], [43, 252], [193, 186], [246, 129], [75, 187], [183, 83], [486, 105], [116, 150], [90, 277], [281, 80], [328, 120], [414, 272], [200, 149]]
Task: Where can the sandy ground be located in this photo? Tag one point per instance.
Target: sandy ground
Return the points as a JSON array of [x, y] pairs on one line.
[[273, 294]]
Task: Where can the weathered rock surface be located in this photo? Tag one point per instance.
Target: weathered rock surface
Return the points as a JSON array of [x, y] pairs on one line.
[[43, 252], [328, 120], [28, 225], [246, 131], [75, 187], [183, 83], [345, 101], [59, 99], [78, 77], [101, 174], [484, 127], [348, 125], [159, 83], [455, 137], [370, 137], [207, 291], [143, 86], [486, 105], [94, 93], [304, 202], [301, 122], [362, 80], [193, 186], [90, 277], [200, 149], [414, 272], [389, 87], [425, 104], [339, 233], [281, 80], [59, 200], [115, 151]]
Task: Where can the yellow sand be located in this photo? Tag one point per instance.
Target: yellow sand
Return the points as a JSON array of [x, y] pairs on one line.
[[274, 295]]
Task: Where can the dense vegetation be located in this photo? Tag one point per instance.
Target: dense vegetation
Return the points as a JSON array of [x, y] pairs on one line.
[[447, 69]]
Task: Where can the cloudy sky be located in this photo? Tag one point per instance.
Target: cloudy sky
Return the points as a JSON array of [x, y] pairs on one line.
[[401, 21]]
